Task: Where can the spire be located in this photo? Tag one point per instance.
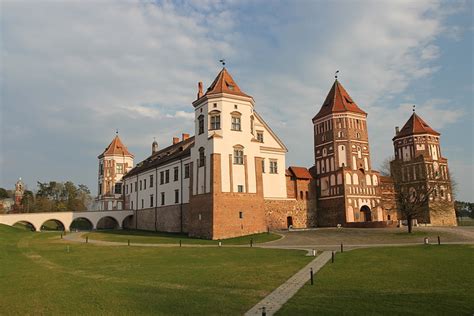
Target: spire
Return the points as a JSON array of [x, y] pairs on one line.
[[338, 100], [116, 147], [415, 125], [224, 83]]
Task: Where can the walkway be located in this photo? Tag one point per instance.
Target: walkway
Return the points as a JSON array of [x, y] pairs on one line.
[[275, 300]]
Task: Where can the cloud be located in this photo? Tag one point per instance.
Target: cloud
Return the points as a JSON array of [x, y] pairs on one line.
[[73, 72]]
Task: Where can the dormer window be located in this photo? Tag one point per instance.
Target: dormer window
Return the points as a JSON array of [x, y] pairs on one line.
[[260, 136]]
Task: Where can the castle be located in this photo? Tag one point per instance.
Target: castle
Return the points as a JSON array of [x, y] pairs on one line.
[[230, 179]]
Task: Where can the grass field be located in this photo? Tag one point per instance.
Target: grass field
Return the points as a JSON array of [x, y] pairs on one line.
[[415, 280], [465, 221], [148, 237], [39, 276]]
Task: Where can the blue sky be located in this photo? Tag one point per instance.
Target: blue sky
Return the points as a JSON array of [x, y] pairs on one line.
[[73, 72]]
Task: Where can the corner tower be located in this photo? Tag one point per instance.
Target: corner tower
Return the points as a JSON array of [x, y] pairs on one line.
[[114, 163], [347, 187], [419, 168], [237, 161]]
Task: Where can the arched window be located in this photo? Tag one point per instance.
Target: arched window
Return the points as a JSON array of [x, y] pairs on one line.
[[348, 178], [340, 134], [325, 152], [202, 157], [374, 180], [215, 120], [200, 124], [238, 155], [236, 123], [355, 178]]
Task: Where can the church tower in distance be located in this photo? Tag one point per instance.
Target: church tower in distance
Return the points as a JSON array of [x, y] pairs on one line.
[[419, 168], [347, 188]]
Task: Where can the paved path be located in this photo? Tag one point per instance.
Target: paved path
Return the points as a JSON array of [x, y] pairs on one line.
[[275, 300]]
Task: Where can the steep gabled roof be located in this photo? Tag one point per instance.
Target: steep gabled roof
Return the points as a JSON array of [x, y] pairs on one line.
[[116, 147], [337, 101], [224, 83], [300, 172], [415, 125]]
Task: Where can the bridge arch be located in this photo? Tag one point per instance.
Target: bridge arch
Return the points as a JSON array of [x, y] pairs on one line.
[[107, 222], [81, 223], [25, 224], [127, 222], [52, 224]]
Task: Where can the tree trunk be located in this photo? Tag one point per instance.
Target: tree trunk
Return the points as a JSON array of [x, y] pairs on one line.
[[409, 224]]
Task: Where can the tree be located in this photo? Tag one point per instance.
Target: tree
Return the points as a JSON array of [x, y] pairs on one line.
[[4, 194], [385, 167], [411, 201], [27, 201]]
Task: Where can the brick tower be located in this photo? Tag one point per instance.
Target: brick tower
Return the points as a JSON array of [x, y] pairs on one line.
[[419, 167], [347, 187], [114, 163]]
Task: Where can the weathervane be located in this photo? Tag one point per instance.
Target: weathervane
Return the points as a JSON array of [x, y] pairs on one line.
[[335, 75], [222, 61]]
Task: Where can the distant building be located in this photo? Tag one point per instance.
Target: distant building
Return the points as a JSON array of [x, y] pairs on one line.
[[114, 162]]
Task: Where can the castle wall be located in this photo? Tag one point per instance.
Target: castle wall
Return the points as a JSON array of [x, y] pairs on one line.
[[302, 213], [163, 219]]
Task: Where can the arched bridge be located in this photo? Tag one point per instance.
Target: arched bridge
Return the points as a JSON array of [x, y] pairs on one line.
[[95, 218]]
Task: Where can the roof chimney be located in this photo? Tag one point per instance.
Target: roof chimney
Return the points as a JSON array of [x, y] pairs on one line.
[[199, 95], [154, 146], [175, 140], [397, 130], [184, 136]]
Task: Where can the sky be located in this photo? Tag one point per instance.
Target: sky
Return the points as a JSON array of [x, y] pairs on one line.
[[72, 72]]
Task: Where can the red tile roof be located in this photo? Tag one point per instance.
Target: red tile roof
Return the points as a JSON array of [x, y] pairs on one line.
[[300, 172], [116, 147], [224, 83], [338, 100], [415, 125]]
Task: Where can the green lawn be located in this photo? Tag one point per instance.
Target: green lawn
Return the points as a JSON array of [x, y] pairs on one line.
[[39, 276], [423, 280], [148, 237]]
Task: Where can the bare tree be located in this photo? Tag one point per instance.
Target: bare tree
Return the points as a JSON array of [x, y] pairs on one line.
[[412, 201], [385, 166]]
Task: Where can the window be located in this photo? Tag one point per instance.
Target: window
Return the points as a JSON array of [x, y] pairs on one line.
[[301, 195], [240, 188], [263, 165], [162, 177], [126, 189], [167, 176], [176, 173], [238, 156], [144, 184], [186, 171], [100, 189], [140, 185], [176, 196], [236, 123], [273, 166], [101, 169], [241, 215], [143, 204], [151, 200], [118, 188], [131, 204], [136, 185], [260, 137], [340, 134], [215, 121], [202, 157], [119, 168], [201, 124], [162, 198], [358, 135], [151, 181]]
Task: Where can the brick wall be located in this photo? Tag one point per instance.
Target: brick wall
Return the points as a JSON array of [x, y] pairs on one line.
[[302, 213], [164, 219]]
